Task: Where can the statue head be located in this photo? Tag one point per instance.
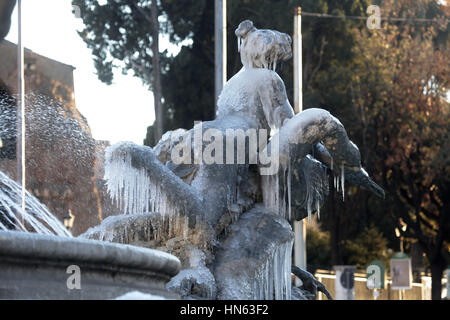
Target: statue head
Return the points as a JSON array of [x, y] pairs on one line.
[[262, 48]]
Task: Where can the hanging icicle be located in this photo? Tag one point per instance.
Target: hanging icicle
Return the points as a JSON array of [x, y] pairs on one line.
[[342, 181], [289, 177]]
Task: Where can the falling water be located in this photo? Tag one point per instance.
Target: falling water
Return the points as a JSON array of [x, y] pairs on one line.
[[58, 140], [35, 218]]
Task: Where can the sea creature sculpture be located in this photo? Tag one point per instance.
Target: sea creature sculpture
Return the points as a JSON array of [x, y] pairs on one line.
[[256, 151]]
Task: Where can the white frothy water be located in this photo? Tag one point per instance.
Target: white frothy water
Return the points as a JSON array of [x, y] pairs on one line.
[[35, 218]]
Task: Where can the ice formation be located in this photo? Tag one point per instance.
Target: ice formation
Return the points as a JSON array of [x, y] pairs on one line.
[[196, 279], [273, 278], [138, 295], [129, 187], [248, 91], [136, 193], [145, 180], [263, 48], [277, 193]]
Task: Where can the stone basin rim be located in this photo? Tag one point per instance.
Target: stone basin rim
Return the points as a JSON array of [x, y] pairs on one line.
[[14, 244]]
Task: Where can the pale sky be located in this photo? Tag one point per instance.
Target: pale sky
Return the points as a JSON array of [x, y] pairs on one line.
[[119, 112]]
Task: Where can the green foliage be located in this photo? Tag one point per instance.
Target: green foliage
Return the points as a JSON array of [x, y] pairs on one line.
[[399, 83], [403, 78], [369, 245], [188, 84], [119, 36], [318, 249]]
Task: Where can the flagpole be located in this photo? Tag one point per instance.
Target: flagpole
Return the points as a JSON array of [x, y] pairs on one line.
[[220, 41]]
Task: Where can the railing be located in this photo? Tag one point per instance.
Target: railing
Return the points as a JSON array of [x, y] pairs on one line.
[[418, 291]]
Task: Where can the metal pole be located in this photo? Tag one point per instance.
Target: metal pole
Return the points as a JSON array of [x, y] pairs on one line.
[[298, 72], [220, 35], [20, 138], [299, 226]]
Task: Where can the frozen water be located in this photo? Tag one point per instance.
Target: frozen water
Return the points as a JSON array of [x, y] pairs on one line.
[[273, 278], [313, 180], [249, 92], [137, 295], [136, 193], [130, 187]]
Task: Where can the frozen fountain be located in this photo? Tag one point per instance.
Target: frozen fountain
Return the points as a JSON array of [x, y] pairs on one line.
[[218, 199], [39, 257], [37, 262], [221, 196]]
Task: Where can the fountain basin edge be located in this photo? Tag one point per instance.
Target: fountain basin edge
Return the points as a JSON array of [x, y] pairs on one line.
[[34, 266]]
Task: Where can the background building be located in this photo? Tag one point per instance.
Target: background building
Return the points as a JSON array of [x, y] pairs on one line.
[[61, 154]]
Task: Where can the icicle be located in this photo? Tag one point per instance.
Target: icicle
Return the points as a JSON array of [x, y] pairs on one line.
[[186, 227], [277, 192], [318, 209], [239, 43], [342, 181], [275, 65], [309, 205], [337, 183], [271, 189], [289, 189], [273, 279]]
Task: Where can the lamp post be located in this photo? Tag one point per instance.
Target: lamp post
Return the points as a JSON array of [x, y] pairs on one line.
[[299, 226], [220, 43]]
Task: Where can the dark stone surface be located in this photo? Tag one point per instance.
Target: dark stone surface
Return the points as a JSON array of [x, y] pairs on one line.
[[34, 266], [250, 243]]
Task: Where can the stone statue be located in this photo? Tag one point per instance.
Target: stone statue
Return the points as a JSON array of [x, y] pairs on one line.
[[225, 211]]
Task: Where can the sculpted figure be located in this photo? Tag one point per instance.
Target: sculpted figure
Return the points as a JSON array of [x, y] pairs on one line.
[[201, 188]]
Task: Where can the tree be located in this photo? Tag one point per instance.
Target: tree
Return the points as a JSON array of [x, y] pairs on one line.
[[188, 81], [369, 245], [6, 9], [318, 249], [120, 34], [399, 88]]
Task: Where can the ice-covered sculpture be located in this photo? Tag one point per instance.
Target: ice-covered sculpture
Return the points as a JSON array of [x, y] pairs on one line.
[[234, 203]]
